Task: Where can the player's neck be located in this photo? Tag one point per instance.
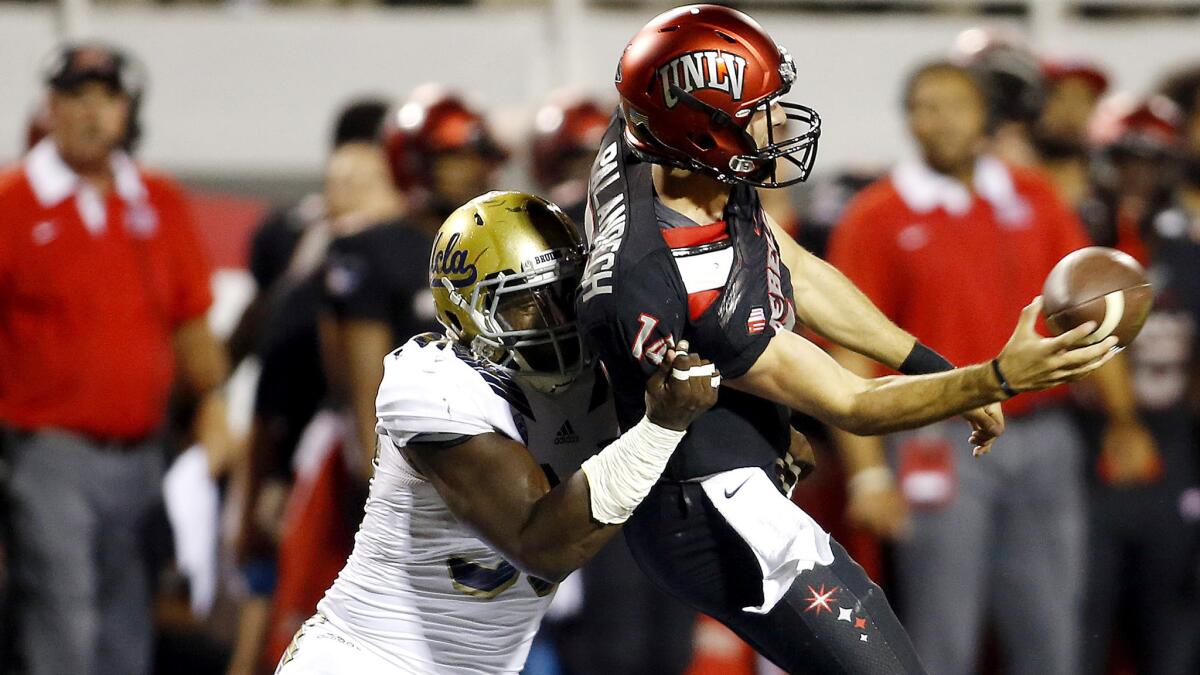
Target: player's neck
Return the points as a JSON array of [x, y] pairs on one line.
[[695, 195]]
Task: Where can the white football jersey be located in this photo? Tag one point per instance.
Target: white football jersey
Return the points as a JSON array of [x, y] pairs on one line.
[[420, 588]]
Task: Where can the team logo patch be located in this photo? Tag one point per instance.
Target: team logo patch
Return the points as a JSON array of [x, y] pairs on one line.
[[757, 322], [451, 262], [566, 434], [710, 69]]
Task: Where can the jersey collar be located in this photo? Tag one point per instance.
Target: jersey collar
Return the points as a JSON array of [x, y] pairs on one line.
[[53, 182], [924, 190]]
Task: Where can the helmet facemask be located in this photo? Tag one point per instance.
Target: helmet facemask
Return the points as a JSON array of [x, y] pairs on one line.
[[526, 322]]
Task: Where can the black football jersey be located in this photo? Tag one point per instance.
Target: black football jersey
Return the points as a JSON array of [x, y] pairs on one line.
[[382, 274], [652, 280], [1162, 358]]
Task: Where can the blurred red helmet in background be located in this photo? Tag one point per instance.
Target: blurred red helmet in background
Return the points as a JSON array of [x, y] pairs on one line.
[[433, 121], [1057, 70], [691, 80], [1128, 124], [566, 126]]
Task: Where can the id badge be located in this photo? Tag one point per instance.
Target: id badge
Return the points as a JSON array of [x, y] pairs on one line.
[[926, 475]]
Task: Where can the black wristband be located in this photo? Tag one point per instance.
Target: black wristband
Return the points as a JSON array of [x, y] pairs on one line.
[[922, 360], [1004, 385]]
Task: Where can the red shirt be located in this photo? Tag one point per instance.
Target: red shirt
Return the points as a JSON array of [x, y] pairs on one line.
[[952, 267], [92, 288]]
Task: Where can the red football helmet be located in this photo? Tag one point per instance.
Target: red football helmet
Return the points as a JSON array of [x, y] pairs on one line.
[[1059, 69], [566, 126], [1147, 127], [433, 121], [690, 82]]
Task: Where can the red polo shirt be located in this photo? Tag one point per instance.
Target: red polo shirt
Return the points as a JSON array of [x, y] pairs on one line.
[[955, 267], [92, 288]]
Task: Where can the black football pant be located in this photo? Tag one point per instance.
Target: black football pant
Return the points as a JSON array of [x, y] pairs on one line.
[[1141, 583], [833, 619]]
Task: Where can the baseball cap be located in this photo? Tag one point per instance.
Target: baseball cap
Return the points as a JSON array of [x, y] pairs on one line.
[[73, 64]]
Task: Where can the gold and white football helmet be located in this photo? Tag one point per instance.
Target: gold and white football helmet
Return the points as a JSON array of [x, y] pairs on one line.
[[504, 271]]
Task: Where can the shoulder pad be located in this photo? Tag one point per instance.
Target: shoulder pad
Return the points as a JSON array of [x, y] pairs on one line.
[[428, 388]]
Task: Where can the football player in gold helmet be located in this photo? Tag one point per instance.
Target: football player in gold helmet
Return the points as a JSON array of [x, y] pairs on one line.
[[496, 473]]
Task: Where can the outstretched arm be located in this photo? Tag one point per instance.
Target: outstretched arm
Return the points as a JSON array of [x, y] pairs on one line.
[[794, 372], [492, 484], [833, 307]]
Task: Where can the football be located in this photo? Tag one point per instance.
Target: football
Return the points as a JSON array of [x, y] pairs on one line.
[[1097, 284]]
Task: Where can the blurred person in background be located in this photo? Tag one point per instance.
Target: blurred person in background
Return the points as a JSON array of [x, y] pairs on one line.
[[442, 153], [625, 624], [1144, 538], [103, 294], [1015, 89], [999, 537], [567, 129], [437, 153], [828, 201], [1183, 87], [280, 328], [1135, 172], [1073, 90], [366, 293]]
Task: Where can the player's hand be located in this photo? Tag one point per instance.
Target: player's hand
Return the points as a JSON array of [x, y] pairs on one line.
[[798, 464], [801, 453], [987, 424], [1031, 362], [882, 512], [683, 388], [1128, 455]]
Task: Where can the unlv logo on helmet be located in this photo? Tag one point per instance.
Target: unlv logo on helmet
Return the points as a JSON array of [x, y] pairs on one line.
[[721, 71]]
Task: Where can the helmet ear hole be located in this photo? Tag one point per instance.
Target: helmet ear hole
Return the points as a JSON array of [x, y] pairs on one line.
[[702, 140]]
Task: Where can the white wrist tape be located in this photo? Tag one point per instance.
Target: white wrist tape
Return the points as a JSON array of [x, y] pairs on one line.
[[708, 370], [694, 371], [621, 475]]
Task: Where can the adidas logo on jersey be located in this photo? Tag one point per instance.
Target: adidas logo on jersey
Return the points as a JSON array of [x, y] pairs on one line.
[[566, 434]]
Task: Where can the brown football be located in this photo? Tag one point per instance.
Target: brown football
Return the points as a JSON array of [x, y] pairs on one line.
[[1097, 284]]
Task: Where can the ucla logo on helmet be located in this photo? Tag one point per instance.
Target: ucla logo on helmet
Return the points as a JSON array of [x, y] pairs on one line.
[[710, 69], [451, 262]]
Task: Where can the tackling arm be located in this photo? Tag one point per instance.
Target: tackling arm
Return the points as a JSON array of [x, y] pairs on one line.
[[492, 484]]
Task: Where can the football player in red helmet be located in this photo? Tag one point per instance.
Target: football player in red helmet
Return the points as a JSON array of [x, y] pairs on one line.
[[1139, 205], [442, 152], [567, 129], [681, 249], [1135, 172]]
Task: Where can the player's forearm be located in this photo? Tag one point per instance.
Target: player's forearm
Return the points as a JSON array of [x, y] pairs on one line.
[[560, 534], [831, 305], [890, 404], [1115, 387]]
